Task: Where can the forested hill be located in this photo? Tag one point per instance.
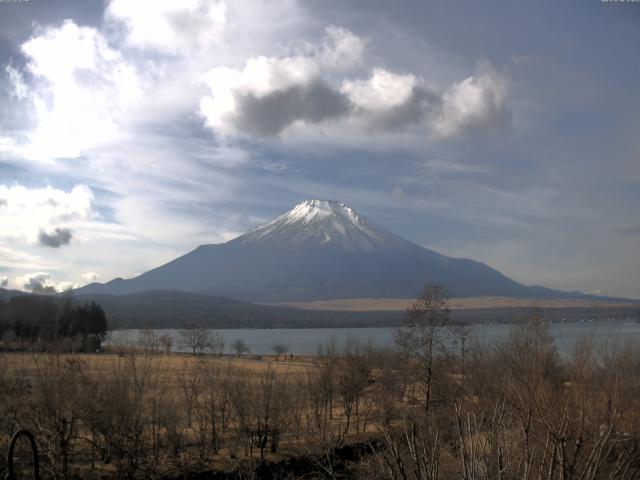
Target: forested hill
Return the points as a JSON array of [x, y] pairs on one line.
[[49, 320]]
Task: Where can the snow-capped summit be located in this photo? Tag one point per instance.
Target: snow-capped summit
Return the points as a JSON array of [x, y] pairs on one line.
[[310, 210], [321, 222]]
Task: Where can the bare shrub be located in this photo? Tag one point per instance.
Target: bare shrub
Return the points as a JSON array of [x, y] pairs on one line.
[[195, 338], [279, 349], [240, 347], [58, 407]]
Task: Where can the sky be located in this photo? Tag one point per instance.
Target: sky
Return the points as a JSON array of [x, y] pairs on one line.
[[132, 131]]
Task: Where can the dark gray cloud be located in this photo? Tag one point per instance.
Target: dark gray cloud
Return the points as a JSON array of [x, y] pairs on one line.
[[4, 281], [386, 102], [55, 239], [39, 283], [271, 114]]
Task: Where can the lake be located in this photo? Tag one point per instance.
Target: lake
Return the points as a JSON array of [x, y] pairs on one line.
[[306, 341]]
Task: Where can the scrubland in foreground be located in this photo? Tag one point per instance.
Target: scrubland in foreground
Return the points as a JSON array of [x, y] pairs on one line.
[[516, 411]]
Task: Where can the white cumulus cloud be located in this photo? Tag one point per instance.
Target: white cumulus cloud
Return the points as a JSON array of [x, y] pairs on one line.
[[320, 88], [41, 283], [90, 276], [82, 90], [36, 214], [170, 26], [477, 103], [383, 90]]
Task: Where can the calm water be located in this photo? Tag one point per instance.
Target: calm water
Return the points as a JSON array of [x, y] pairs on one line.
[[306, 341]]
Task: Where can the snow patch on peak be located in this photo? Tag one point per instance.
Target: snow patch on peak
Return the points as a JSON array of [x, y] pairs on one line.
[[322, 223], [310, 210]]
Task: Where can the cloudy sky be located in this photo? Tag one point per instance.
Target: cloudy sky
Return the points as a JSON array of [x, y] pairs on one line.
[[132, 131]]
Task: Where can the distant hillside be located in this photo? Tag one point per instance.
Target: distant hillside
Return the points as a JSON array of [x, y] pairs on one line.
[[173, 309]]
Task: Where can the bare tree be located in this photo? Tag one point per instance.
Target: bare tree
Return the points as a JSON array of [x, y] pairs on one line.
[[213, 397], [240, 401], [279, 349], [167, 342], [122, 342], [268, 410], [460, 335], [217, 343], [354, 375], [322, 388], [422, 334], [149, 341], [196, 339], [392, 381], [119, 413], [191, 385], [240, 347]]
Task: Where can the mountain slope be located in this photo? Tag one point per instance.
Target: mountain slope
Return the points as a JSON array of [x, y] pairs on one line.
[[319, 250]]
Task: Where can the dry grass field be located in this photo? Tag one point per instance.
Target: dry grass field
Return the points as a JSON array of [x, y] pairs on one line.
[[172, 412], [171, 365], [424, 411], [459, 303]]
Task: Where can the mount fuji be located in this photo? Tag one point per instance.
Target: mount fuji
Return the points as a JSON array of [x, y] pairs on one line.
[[320, 250]]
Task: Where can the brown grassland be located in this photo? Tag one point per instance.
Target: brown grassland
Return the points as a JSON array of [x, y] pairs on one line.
[[428, 409], [136, 413], [458, 303]]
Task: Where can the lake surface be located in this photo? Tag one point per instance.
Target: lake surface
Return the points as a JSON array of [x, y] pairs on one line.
[[306, 341]]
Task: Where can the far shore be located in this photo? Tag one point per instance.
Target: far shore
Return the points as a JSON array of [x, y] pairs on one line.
[[455, 303]]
